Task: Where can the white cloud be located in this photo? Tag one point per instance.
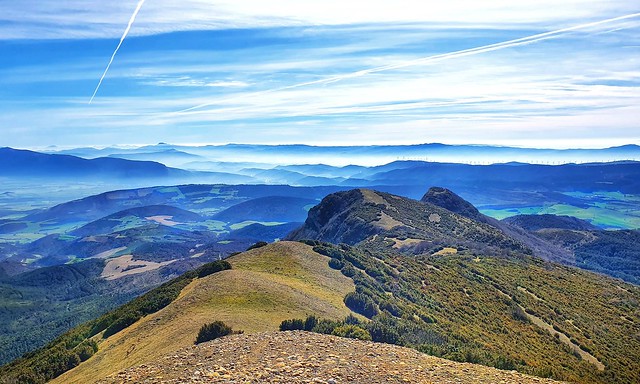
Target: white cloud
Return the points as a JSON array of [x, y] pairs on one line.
[[577, 89], [70, 19], [187, 81]]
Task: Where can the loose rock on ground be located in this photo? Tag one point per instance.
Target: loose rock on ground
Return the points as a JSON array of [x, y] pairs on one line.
[[302, 357]]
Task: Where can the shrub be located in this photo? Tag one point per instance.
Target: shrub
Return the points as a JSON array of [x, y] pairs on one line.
[[292, 325], [213, 331], [391, 308], [361, 304], [310, 323], [383, 333], [373, 272], [336, 264], [121, 323], [326, 326], [211, 268], [328, 251], [86, 349], [519, 314], [348, 270], [352, 320], [352, 332], [259, 244], [505, 363]]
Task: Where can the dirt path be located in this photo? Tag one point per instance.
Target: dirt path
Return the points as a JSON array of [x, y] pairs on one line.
[[561, 336], [566, 340]]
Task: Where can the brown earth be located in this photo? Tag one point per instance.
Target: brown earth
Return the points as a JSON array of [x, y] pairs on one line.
[[302, 357]]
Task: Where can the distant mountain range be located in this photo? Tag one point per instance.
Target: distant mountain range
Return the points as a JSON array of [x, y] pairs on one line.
[[179, 155], [592, 191], [28, 164], [620, 176]]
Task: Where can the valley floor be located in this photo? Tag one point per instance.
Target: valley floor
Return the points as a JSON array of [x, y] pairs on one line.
[[302, 357]]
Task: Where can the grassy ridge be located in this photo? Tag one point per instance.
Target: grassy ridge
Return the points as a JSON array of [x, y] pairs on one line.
[[265, 286], [77, 345]]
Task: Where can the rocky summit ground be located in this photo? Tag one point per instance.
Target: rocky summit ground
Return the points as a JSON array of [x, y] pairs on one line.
[[302, 357]]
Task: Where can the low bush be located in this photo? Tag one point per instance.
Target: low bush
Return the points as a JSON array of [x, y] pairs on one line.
[[213, 331], [351, 331]]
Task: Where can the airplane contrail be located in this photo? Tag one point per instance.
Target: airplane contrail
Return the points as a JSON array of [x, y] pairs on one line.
[[429, 59], [124, 35]]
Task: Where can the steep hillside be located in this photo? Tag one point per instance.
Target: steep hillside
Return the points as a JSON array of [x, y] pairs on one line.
[[160, 214], [509, 312], [449, 200], [264, 287], [357, 215], [269, 208], [301, 357], [615, 253], [612, 252], [458, 300], [537, 222], [424, 277]]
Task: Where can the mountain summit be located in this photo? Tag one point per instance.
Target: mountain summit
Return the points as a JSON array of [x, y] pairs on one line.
[[448, 200], [360, 215]]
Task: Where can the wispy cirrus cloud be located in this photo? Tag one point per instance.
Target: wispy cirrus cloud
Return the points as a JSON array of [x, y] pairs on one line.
[[305, 75], [187, 81], [443, 57], [94, 19]]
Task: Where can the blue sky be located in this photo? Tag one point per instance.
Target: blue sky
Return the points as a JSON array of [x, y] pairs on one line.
[[331, 72]]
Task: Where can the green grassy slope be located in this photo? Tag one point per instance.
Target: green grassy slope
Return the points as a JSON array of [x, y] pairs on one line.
[[265, 286], [501, 311]]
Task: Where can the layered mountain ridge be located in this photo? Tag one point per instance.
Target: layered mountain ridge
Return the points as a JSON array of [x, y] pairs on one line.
[[412, 273]]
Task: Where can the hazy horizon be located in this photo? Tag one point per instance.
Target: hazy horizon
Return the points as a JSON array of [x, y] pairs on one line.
[[221, 144]]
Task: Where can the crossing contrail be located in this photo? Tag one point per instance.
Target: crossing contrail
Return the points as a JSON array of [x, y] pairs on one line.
[[124, 35], [429, 59]]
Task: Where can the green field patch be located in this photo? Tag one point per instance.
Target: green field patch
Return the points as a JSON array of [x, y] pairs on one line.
[[75, 260], [67, 237], [206, 211], [609, 210], [214, 225], [499, 214], [170, 190], [249, 222], [599, 215], [128, 222], [21, 238], [203, 200]]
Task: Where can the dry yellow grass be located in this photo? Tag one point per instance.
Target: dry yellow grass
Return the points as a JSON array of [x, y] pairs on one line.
[[117, 267], [446, 251], [266, 285]]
